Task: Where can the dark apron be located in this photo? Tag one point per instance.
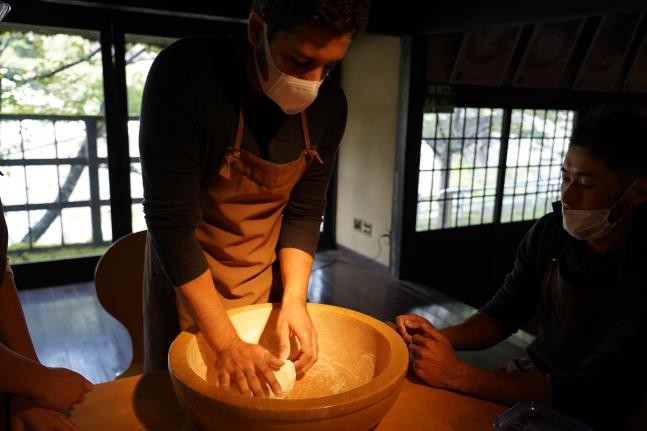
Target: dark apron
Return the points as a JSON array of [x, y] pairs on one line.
[[242, 207], [572, 321]]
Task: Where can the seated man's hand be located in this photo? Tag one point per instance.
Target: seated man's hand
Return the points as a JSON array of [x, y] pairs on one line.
[[247, 367], [25, 415], [294, 321], [433, 358], [61, 389], [412, 324]]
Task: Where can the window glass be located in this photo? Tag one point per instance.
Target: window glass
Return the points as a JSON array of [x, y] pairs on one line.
[[459, 166], [51, 119]]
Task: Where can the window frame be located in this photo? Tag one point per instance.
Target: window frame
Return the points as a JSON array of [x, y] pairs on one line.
[[502, 167], [112, 25]]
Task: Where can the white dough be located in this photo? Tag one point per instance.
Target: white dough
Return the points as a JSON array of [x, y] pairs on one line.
[[286, 375]]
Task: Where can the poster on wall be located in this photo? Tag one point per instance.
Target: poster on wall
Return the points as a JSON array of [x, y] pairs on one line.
[[484, 56], [547, 54], [606, 55]]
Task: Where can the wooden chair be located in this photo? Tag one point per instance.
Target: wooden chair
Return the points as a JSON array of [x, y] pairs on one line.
[[119, 279]]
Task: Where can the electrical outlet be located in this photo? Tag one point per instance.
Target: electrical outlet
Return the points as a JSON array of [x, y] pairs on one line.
[[367, 228], [387, 237], [357, 224]]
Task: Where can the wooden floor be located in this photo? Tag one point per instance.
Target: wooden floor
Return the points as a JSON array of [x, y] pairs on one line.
[[70, 328]]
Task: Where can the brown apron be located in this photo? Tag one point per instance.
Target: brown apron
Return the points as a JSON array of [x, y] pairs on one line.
[[572, 321], [242, 205]]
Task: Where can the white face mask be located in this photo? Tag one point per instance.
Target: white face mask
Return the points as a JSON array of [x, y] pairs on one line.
[[293, 95], [591, 224]]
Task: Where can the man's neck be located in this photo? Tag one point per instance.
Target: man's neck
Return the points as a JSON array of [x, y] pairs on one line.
[[250, 69]]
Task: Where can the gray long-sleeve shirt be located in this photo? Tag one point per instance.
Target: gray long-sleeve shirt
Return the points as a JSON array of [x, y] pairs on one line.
[[188, 119]]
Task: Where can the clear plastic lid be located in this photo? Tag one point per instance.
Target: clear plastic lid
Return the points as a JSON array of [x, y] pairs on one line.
[[532, 416]]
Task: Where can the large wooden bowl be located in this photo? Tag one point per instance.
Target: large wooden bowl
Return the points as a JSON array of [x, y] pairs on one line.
[[362, 363]]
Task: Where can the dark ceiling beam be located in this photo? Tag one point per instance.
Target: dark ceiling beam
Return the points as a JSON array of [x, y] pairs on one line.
[[135, 18], [227, 11], [403, 17]]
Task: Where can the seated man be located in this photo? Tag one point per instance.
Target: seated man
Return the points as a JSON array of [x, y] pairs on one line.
[[582, 271], [38, 394]]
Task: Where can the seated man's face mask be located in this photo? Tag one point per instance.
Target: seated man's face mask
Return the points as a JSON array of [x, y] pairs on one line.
[[293, 95], [592, 224]]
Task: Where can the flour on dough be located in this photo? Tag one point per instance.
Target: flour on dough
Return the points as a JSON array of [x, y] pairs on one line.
[[286, 375]]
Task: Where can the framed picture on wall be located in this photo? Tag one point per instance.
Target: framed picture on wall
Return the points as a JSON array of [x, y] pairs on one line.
[[548, 51], [484, 56], [603, 62]]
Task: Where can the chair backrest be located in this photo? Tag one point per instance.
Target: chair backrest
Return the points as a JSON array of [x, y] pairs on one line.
[[118, 279]]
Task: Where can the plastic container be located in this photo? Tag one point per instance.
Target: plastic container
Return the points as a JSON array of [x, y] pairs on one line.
[[532, 416]]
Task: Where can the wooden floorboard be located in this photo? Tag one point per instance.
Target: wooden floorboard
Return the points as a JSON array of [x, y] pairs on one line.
[[70, 328]]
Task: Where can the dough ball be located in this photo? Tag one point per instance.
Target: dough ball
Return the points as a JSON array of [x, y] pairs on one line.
[[286, 375]]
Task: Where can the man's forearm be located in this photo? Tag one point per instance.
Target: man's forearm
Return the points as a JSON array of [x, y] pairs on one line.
[[478, 332], [296, 266], [19, 375], [500, 386], [13, 328], [203, 302]]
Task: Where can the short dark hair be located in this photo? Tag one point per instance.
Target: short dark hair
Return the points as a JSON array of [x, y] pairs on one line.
[[616, 136], [340, 16]]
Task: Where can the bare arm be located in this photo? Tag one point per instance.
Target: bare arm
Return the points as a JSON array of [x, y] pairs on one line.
[[480, 331], [500, 386], [20, 371], [19, 367], [208, 311], [19, 375], [296, 266], [239, 363], [434, 361], [13, 328]]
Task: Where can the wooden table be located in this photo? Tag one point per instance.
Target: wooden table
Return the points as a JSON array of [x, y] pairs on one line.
[[147, 402]]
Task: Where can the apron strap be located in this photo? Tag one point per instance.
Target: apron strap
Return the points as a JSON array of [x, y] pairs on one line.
[[310, 150], [305, 129], [233, 154], [239, 130]]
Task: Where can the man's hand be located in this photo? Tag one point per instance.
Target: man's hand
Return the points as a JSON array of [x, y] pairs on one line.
[[247, 367], [61, 389], [294, 321], [432, 356], [24, 415], [411, 324]]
